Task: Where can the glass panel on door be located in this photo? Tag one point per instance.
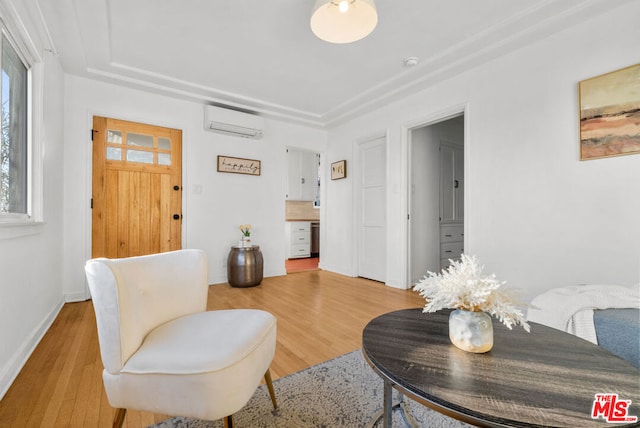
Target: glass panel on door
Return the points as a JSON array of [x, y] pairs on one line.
[[164, 159], [140, 140], [114, 153], [139, 156], [114, 137]]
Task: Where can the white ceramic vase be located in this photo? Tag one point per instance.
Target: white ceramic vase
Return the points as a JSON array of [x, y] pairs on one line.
[[471, 331]]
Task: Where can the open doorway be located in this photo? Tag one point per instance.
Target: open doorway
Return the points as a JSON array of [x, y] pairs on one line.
[[436, 196], [302, 265], [302, 210]]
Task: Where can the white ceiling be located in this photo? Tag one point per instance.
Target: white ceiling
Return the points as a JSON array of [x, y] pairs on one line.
[[261, 56]]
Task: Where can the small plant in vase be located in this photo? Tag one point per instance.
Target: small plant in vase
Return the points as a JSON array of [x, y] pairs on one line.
[[246, 235], [474, 298]]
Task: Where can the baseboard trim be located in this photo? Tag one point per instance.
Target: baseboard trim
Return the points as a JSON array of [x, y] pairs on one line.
[[217, 279], [11, 370], [342, 270], [76, 297]]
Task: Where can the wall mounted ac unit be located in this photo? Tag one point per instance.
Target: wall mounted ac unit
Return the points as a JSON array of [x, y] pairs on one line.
[[233, 122]]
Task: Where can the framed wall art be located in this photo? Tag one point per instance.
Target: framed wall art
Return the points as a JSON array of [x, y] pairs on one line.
[[238, 165], [339, 170], [610, 114]]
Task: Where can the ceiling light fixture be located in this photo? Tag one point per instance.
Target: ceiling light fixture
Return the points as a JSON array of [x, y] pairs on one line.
[[343, 21]]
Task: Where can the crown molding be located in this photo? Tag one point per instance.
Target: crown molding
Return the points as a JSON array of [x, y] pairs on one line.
[[543, 19], [177, 88]]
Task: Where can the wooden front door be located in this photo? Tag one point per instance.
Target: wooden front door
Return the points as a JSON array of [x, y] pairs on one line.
[[137, 189]]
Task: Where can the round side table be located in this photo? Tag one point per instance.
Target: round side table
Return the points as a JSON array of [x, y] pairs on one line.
[[244, 266]]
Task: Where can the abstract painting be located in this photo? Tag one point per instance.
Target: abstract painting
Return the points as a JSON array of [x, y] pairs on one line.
[[610, 114]]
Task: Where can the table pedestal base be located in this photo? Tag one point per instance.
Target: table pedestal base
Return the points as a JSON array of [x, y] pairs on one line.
[[386, 413]]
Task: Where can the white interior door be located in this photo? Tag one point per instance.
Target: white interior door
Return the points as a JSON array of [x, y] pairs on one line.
[[372, 260]]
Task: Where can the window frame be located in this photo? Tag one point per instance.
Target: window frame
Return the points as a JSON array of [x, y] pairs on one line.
[[18, 216], [13, 225]]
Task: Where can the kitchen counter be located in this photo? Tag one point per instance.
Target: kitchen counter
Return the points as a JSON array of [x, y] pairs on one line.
[[301, 211]]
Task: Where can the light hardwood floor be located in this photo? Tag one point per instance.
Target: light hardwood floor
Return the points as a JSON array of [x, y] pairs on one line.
[[320, 316]]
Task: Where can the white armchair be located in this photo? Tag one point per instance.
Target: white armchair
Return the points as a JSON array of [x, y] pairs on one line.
[[163, 352]]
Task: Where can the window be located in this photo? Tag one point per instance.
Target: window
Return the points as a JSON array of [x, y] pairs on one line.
[[14, 148]]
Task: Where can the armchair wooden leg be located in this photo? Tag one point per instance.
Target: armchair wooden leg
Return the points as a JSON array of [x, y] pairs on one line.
[[228, 421], [272, 393], [118, 419]]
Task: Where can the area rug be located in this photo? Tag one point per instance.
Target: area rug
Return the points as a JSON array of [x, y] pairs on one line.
[[342, 392]]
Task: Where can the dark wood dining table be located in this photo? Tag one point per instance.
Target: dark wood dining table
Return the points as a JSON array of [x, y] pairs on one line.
[[545, 378]]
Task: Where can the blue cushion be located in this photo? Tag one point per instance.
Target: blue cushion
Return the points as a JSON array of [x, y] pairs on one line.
[[618, 331]]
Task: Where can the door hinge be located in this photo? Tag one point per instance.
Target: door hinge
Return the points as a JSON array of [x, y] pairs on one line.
[[93, 132], [91, 203], [408, 216]]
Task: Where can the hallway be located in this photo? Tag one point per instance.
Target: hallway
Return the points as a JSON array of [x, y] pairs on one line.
[[301, 265]]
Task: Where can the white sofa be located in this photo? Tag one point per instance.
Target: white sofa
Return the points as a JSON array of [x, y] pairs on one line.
[[607, 315]]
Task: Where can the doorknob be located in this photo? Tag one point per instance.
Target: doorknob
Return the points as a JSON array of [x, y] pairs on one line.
[[176, 216], [176, 187]]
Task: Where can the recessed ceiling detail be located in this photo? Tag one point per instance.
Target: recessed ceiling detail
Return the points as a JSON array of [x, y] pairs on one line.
[[264, 57]]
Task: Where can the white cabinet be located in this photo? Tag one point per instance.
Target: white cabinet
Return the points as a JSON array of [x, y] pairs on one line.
[[451, 184], [298, 239], [302, 175], [451, 203], [451, 243]]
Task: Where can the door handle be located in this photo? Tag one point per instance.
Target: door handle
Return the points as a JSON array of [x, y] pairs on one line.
[[176, 216]]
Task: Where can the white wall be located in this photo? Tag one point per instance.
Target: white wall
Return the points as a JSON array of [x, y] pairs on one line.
[[336, 203], [31, 257], [535, 215], [211, 218]]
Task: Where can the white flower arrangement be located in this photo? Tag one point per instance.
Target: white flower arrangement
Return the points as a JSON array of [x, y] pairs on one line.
[[462, 286]]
